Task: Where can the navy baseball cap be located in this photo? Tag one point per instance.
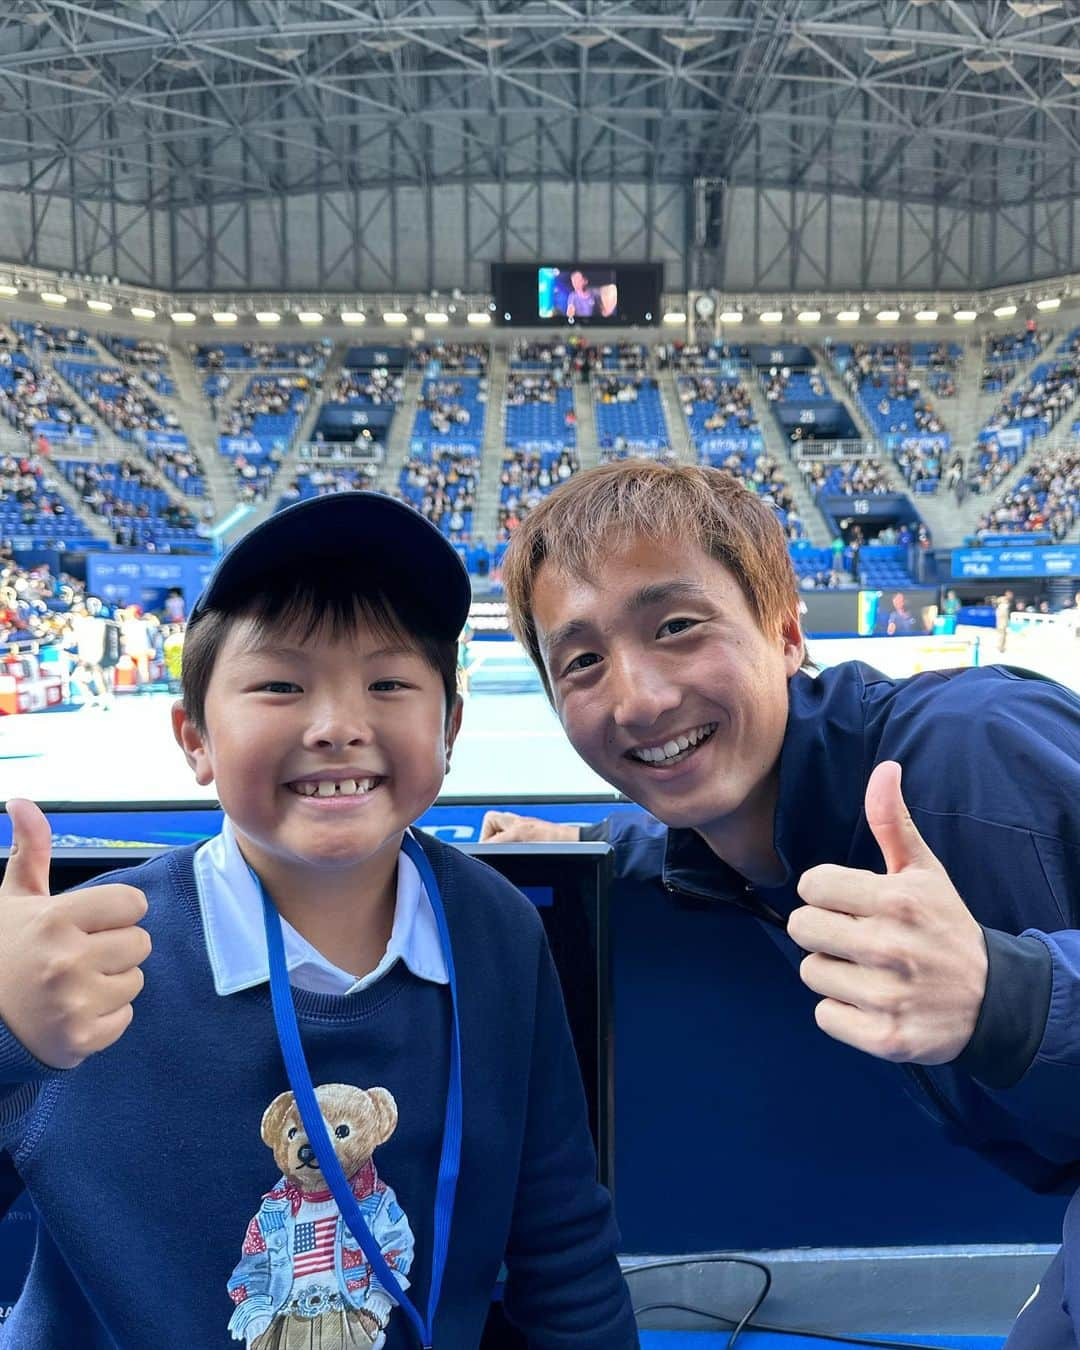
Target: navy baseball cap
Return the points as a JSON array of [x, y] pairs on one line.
[[348, 530]]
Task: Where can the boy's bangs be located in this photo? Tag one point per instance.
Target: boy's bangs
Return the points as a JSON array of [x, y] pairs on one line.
[[307, 611]]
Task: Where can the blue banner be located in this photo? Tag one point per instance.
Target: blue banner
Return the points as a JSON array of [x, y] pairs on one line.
[[247, 446], [63, 431], [145, 578], [1063, 561], [731, 445], [165, 440]]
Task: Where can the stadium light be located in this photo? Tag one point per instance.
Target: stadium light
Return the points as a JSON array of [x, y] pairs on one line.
[[436, 316], [224, 316], [141, 312], [848, 316], [54, 298], [267, 316], [925, 315], [309, 316], [1004, 311], [1039, 304], [674, 316], [99, 306], [887, 315], [771, 316], [477, 316], [182, 316], [809, 316], [394, 316], [965, 315], [353, 316], [731, 316]]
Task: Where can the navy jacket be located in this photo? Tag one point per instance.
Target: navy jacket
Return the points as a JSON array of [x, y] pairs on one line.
[[166, 1219], [991, 775]]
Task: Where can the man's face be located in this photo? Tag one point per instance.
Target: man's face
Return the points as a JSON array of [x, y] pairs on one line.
[[289, 721], [659, 651]]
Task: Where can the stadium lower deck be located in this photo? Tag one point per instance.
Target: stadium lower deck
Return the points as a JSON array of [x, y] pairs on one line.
[[511, 746]]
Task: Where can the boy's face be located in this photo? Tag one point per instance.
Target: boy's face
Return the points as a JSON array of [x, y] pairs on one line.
[[660, 644], [287, 717]]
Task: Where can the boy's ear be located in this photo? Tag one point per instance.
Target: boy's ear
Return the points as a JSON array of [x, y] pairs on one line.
[[193, 743], [453, 726]]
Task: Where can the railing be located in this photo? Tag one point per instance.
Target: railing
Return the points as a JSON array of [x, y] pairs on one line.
[[813, 449], [341, 452]]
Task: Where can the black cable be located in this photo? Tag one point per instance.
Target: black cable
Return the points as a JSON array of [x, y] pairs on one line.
[[744, 1323]]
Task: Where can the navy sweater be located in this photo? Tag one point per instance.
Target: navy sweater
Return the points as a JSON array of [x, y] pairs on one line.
[[163, 1211]]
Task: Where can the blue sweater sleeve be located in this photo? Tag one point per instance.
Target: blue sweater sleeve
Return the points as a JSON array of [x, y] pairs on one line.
[[564, 1288]]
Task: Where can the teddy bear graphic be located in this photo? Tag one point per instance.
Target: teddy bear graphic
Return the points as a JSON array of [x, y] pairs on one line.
[[302, 1279]]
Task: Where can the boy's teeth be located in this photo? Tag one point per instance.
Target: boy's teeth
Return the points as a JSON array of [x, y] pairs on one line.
[[348, 787]]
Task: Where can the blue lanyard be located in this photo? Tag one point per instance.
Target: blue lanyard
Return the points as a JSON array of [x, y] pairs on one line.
[[300, 1081]]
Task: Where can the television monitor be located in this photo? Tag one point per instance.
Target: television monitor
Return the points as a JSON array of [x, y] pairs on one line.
[[561, 291]]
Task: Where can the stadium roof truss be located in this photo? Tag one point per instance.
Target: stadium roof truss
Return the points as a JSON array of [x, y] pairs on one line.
[[129, 109]]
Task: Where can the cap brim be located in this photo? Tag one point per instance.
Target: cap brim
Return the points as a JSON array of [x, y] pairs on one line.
[[348, 530]]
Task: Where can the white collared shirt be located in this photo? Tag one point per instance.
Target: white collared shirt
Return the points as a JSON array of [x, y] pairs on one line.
[[232, 919]]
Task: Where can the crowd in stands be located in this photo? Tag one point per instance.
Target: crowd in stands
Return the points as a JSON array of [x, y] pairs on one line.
[[138, 512], [694, 355], [849, 478], [444, 402], [117, 398], [728, 405], [1046, 499], [53, 338], [271, 395], [322, 480], [1044, 397], [780, 382], [28, 396], [308, 356], [443, 490], [27, 497], [525, 480], [182, 466], [376, 386], [463, 356]]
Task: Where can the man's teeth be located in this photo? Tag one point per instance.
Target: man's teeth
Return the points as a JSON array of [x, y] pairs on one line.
[[348, 787], [658, 754]]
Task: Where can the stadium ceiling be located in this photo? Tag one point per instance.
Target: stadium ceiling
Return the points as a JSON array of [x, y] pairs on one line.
[[163, 103]]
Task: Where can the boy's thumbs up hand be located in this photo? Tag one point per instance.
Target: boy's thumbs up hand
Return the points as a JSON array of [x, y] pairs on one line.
[[899, 958], [69, 964]]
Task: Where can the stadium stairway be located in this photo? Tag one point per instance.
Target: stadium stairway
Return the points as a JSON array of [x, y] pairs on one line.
[[399, 441], [678, 428], [588, 443], [202, 434], [486, 511], [777, 446], [838, 391]]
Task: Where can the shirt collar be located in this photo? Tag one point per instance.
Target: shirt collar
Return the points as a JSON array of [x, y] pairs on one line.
[[232, 918]]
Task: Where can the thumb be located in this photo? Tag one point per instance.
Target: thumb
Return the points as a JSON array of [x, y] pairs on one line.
[[27, 870], [890, 821]]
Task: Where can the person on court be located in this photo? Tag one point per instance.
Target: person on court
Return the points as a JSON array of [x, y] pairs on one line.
[[912, 846]]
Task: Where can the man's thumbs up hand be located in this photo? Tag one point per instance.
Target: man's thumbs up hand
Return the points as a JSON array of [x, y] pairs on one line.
[[899, 959], [69, 964]]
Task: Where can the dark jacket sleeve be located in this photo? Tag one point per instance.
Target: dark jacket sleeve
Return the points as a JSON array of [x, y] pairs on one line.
[[564, 1288], [637, 839], [994, 787]]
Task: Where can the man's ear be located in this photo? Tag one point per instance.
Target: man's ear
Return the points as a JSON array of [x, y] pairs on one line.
[[794, 643], [193, 742], [453, 726]]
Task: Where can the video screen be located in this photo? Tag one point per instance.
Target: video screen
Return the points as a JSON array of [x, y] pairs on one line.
[[577, 292], [558, 293]]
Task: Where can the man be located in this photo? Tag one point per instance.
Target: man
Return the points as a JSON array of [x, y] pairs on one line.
[[901, 622], [935, 913]]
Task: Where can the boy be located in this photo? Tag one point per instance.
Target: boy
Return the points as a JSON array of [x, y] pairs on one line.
[[195, 1191]]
